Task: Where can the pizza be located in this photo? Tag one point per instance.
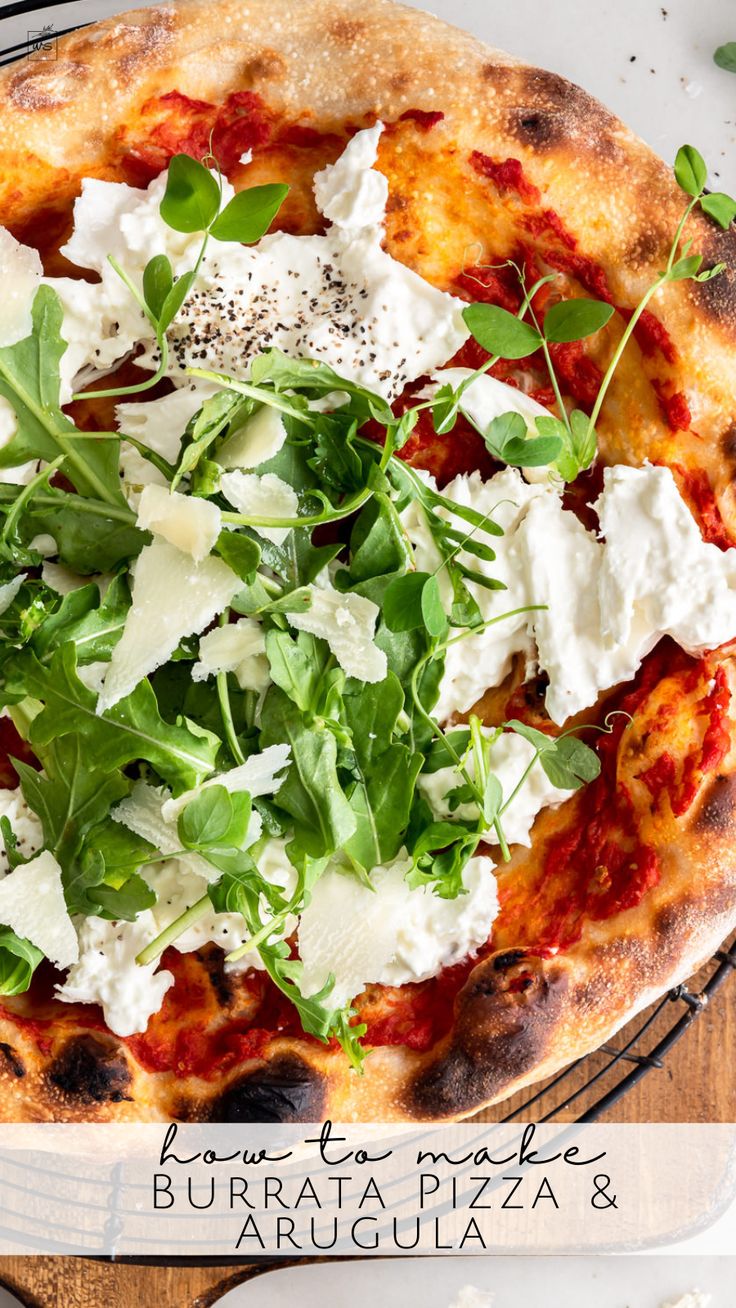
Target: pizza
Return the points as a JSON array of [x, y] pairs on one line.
[[367, 569]]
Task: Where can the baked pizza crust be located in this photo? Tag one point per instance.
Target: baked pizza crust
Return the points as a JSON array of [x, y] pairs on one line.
[[325, 62]]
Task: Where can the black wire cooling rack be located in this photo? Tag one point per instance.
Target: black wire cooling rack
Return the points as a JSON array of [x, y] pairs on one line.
[[593, 1084]]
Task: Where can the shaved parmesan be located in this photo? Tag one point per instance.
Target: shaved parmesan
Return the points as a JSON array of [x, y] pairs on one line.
[[60, 578], [238, 647], [348, 623], [9, 590], [172, 597], [190, 523], [32, 903], [257, 441], [261, 497], [261, 774], [20, 273], [107, 973]]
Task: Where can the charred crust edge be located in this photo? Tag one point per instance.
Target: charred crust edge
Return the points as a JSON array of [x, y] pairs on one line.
[[91, 1070], [285, 1090]]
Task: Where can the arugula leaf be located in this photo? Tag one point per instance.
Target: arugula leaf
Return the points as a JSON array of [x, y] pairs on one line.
[[91, 535], [10, 844], [123, 902], [298, 665], [500, 332], [71, 796], [573, 320], [217, 414], [18, 961], [250, 213], [335, 460], [182, 754], [29, 381], [385, 772], [378, 544], [438, 755], [92, 625], [241, 552], [440, 855], [284, 373], [192, 196], [311, 792]]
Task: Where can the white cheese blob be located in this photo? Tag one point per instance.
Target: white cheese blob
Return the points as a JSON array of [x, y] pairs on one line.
[[562, 563], [509, 758], [338, 297], [20, 276], [238, 647], [391, 934], [261, 774], [25, 824], [172, 597], [351, 193], [348, 623], [257, 441], [658, 576], [261, 497], [107, 973], [189, 522], [32, 903], [484, 658], [9, 590]]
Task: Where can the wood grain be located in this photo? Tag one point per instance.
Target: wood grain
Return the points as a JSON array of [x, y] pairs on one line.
[[696, 1084]]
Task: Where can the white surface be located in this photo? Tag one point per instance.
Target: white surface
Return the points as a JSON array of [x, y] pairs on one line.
[[8, 1300], [684, 98], [514, 1282]]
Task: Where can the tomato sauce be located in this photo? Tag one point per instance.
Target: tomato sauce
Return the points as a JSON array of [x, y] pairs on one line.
[[696, 487], [507, 175], [178, 124]]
